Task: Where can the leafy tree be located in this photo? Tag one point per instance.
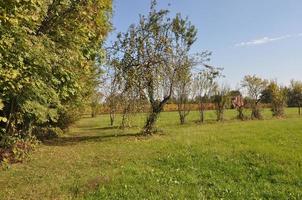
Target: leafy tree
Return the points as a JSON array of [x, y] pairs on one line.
[[221, 100], [295, 95], [147, 56], [254, 86], [49, 55], [278, 98]]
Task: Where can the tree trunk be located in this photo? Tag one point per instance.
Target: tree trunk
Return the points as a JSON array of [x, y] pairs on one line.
[[256, 113], [152, 118], [112, 117], [10, 118], [299, 111], [220, 116], [150, 123], [182, 118], [240, 113], [123, 124], [201, 112]]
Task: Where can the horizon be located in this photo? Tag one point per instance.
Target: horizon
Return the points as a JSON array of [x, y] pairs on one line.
[[248, 41]]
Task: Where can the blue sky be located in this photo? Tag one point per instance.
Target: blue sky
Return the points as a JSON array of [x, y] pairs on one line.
[[262, 37]]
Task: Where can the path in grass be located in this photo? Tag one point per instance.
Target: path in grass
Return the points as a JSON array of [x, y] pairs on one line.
[[231, 160]]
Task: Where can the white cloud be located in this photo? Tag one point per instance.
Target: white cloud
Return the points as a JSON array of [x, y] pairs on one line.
[[266, 40]]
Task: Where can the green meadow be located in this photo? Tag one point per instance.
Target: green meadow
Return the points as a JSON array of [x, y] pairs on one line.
[[230, 160]]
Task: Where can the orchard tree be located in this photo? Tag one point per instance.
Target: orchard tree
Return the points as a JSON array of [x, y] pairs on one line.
[[183, 91], [148, 57], [254, 87], [238, 104], [95, 103], [295, 94], [205, 83], [221, 100], [278, 98]]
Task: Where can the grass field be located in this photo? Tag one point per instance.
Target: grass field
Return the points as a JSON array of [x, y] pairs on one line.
[[230, 160]]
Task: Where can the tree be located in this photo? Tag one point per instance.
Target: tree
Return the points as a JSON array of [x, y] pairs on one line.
[[205, 83], [278, 98], [183, 90], [147, 56], [295, 95], [221, 99], [238, 104], [96, 98], [254, 86], [49, 56]]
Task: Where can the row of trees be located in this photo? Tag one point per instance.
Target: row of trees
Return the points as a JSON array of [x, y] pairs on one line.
[[50, 52], [50, 58], [151, 64], [198, 89]]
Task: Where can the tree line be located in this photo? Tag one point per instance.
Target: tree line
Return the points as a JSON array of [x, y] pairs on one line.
[[53, 62], [151, 64]]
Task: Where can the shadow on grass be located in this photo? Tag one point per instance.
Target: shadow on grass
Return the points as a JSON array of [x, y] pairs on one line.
[[66, 141], [101, 128]]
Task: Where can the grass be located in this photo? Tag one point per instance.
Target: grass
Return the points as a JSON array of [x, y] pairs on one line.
[[230, 160]]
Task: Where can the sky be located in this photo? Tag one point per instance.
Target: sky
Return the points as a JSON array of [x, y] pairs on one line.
[[261, 37]]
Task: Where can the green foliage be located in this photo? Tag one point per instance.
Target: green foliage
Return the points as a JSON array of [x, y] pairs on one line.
[[148, 57], [221, 100], [17, 148], [254, 86], [295, 94], [278, 98], [49, 56], [46, 133]]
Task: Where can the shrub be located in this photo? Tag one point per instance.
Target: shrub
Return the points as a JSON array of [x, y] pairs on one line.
[[67, 117], [19, 149], [47, 133]]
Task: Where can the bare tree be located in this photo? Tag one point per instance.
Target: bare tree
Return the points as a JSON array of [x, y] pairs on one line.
[[254, 86]]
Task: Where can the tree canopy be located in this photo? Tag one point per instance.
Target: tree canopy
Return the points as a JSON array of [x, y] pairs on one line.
[[49, 57]]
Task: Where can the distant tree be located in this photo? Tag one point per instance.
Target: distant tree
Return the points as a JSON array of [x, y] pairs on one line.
[[95, 104], [110, 89], [277, 98], [238, 103], [112, 102], [254, 86], [221, 100], [148, 56], [204, 85], [183, 91], [295, 95]]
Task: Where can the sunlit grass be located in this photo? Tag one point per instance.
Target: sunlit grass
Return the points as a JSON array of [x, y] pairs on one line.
[[229, 160]]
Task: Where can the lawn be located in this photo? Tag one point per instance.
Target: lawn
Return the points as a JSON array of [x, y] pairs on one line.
[[229, 160]]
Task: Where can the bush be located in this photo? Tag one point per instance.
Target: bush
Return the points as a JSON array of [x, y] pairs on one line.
[[18, 150], [67, 117], [46, 133]]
